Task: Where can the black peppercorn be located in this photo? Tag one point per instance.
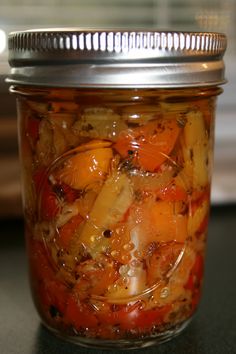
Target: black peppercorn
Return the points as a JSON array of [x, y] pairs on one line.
[[107, 233]]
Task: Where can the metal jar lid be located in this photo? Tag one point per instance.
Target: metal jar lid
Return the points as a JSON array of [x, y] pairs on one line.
[[116, 59]]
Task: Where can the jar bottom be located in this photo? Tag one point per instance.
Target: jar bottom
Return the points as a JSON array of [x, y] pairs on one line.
[[132, 343]]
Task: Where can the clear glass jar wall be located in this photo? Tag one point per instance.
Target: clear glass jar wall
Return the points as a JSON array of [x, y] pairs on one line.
[[116, 199]]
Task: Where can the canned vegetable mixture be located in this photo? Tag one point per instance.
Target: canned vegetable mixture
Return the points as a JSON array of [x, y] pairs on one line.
[[116, 179]]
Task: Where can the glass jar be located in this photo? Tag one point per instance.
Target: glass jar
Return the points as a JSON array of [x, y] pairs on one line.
[[116, 133]]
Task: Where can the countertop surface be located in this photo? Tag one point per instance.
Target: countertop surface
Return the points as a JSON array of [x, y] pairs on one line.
[[213, 330]]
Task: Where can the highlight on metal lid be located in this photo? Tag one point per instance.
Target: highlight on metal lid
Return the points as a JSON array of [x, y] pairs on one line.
[[104, 58]]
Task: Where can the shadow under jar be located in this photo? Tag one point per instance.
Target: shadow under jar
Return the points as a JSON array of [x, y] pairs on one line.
[[116, 135]]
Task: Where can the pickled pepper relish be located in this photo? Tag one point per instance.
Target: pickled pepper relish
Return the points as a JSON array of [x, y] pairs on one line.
[[116, 187]]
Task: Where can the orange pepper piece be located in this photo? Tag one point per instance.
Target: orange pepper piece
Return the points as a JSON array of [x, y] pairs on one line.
[[172, 192], [149, 144], [85, 168], [158, 222], [169, 223]]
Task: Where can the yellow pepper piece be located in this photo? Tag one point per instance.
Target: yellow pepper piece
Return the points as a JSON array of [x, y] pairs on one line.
[[110, 206], [196, 150], [196, 218]]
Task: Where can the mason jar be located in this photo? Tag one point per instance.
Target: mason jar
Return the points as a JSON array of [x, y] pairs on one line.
[[116, 134]]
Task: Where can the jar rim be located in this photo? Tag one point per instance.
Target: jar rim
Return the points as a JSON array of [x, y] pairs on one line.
[[75, 57]]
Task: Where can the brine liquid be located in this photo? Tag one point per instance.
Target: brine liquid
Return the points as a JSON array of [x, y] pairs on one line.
[[116, 200]]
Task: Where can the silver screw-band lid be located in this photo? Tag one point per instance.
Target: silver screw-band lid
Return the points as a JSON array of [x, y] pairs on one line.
[[93, 58]]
